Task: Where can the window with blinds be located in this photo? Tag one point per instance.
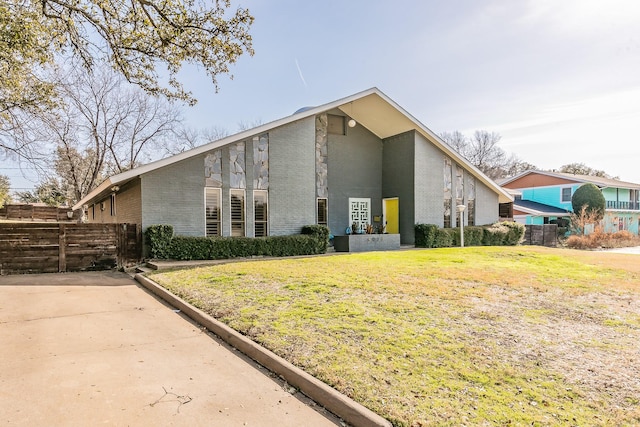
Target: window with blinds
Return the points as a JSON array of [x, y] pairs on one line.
[[212, 211], [237, 212], [323, 212], [261, 213]]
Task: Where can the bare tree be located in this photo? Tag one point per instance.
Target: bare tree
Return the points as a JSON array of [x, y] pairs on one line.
[[582, 169], [101, 126], [246, 125], [187, 138], [5, 187], [483, 151]]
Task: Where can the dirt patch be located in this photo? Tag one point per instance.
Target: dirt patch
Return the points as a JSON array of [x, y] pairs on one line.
[[591, 340]]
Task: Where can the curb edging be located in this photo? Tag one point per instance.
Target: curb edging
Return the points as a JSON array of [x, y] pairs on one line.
[[344, 407]]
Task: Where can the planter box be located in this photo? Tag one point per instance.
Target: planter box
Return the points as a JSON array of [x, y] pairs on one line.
[[366, 242]]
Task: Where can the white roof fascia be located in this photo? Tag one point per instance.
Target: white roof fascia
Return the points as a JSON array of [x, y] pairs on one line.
[[503, 195]]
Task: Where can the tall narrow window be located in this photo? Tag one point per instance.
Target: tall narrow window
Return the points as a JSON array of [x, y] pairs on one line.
[[212, 211], [471, 200], [448, 194], [113, 205], [261, 213], [237, 213], [323, 212]]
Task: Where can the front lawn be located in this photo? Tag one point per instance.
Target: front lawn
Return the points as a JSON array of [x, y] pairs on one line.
[[473, 336]]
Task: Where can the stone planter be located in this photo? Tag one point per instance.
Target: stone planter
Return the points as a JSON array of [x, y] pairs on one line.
[[366, 242]]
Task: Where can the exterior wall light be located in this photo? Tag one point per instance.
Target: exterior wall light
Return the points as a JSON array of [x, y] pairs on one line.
[[352, 123]]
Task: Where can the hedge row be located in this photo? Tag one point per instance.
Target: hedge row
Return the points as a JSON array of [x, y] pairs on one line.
[[498, 234], [164, 245]]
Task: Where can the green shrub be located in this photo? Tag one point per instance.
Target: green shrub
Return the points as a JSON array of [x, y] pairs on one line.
[[498, 234], [320, 233], [425, 235], [473, 236], [503, 234], [515, 235], [591, 198], [201, 248], [158, 238], [444, 238]]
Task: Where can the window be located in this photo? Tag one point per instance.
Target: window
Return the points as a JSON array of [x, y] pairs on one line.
[[212, 211], [448, 192], [359, 214], [260, 203], [566, 194], [237, 213], [447, 214], [471, 200], [335, 125], [323, 212], [113, 205], [471, 212]]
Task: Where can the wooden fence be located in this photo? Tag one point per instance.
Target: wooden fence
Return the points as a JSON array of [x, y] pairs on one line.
[[541, 235], [38, 213], [58, 247]]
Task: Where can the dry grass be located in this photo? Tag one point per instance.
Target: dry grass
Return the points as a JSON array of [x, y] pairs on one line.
[[479, 336], [599, 239]]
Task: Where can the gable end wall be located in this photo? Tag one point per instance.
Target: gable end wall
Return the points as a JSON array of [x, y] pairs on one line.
[[292, 177]]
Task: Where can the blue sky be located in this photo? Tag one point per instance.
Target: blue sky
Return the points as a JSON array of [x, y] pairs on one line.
[[558, 79]]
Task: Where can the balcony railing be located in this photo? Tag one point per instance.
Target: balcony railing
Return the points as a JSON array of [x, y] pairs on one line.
[[632, 206]]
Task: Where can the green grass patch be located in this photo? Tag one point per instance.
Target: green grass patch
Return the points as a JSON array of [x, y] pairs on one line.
[[441, 337]]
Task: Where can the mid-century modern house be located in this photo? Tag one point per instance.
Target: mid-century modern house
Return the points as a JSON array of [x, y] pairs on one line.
[[542, 197], [355, 162]]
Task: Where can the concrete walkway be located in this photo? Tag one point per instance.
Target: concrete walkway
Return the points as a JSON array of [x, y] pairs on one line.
[[96, 349]]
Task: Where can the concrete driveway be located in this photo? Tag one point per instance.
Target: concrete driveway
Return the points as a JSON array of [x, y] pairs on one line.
[[96, 349]]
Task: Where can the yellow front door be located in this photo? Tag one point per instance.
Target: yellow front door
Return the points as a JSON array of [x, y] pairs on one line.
[[390, 209]]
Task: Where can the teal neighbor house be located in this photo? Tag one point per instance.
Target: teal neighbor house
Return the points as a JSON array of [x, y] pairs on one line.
[[351, 164], [545, 197]]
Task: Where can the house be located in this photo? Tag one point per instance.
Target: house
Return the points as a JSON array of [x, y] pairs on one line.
[[354, 162], [542, 197]]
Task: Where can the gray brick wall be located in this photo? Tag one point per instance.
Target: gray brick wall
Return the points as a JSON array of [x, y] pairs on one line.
[[175, 195], [398, 179], [429, 197], [354, 170], [292, 201], [486, 204]]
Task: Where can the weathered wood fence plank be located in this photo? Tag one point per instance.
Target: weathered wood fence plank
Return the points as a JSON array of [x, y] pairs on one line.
[[541, 235], [58, 247]]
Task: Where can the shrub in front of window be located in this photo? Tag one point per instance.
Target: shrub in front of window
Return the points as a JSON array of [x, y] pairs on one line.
[[498, 234], [164, 245]]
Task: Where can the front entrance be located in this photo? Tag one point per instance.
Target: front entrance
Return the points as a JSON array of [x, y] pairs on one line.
[[390, 213]]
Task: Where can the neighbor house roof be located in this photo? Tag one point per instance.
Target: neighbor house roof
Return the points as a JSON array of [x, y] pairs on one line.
[[371, 108], [599, 181], [538, 209]]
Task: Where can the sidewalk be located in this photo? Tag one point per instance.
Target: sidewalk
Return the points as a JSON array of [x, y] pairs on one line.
[[94, 348]]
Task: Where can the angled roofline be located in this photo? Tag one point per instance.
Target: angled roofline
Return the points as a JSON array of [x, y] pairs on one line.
[[121, 178], [599, 181]]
